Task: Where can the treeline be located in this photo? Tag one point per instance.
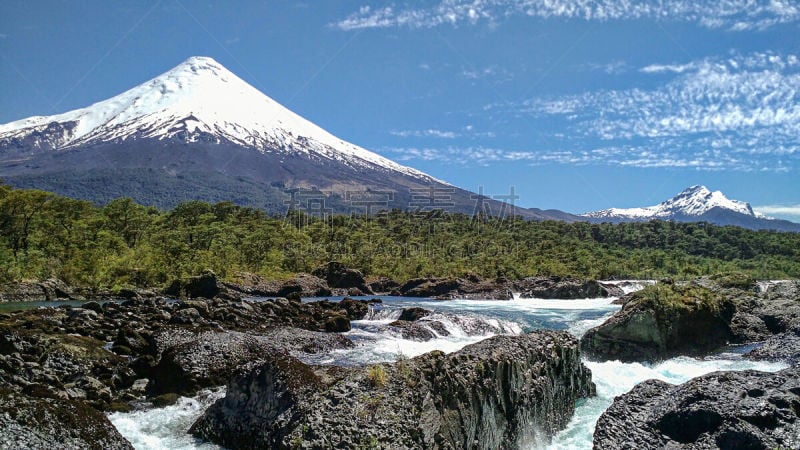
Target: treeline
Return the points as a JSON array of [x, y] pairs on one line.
[[43, 235]]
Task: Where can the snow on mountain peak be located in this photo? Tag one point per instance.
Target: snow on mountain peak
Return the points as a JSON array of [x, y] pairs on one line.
[[693, 201], [199, 99]]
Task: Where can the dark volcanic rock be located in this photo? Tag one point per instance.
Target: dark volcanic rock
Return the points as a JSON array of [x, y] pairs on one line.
[[473, 287], [416, 331], [412, 314], [54, 423], [339, 276], [498, 393], [304, 285], [781, 347], [563, 288], [429, 287], [743, 410], [51, 289], [697, 317], [192, 361], [356, 310], [663, 321], [383, 285], [206, 285], [98, 354]]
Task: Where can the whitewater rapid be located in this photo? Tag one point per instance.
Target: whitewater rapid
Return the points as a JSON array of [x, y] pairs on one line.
[[466, 322]]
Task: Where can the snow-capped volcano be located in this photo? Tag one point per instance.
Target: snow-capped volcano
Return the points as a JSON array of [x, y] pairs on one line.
[[696, 204], [199, 132], [197, 100], [693, 201]]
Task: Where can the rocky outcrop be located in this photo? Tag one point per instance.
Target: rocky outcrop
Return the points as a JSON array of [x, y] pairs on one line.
[[383, 285], [662, 321], [29, 422], [414, 313], [206, 359], [36, 291], [498, 393], [474, 287], [301, 285], [563, 288], [748, 410], [781, 347], [775, 310], [339, 276], [697, 317], [100, 353]]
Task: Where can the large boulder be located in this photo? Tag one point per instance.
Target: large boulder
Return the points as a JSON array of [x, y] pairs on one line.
[[499, 393], [339, 276], [48, 422], [430, 287], [302, 285], [192, 361], [662, 321], [205, 285], [743, 410]]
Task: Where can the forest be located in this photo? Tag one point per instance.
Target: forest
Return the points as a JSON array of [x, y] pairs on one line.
[[123, 244]]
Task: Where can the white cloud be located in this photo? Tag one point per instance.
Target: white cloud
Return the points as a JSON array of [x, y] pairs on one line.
[[622, 156], [745, 108], [494, 73], [661, 68], [735, 15], [425, 133], [789, 212]]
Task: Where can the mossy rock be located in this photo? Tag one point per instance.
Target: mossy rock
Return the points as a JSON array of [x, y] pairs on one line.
[[120, 407], [738, 280], [165, 400]]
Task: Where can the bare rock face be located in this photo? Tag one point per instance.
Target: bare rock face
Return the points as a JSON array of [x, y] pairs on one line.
[[781, 347], [192, 361], [746, 410], [662, 321], [36, 291], [489, 395], [48, 422], [564, 288]]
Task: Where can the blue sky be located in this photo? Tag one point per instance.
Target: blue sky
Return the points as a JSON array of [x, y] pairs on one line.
[[580, 105]]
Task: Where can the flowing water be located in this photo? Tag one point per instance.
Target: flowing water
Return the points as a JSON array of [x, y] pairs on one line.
[[465, 322]]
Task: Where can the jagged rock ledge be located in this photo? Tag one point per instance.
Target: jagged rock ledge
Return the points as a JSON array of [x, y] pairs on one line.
[[747, 410], [499, 393], [29, 422]]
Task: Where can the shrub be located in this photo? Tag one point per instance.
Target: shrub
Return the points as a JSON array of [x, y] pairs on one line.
[[377, 376]]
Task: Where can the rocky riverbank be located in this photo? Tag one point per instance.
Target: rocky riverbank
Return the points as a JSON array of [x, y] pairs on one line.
[[112, 354], [698, 317], [746, 409], [331, 279], [499, 393]]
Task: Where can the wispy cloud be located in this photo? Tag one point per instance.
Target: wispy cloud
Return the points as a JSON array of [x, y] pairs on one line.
[[745, 109], [708, 160], [612, 68], [789, 212], [495, 72], [735, 15], [425, 133]]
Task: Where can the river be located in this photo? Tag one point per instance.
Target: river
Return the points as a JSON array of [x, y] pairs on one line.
[[466, 322]]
